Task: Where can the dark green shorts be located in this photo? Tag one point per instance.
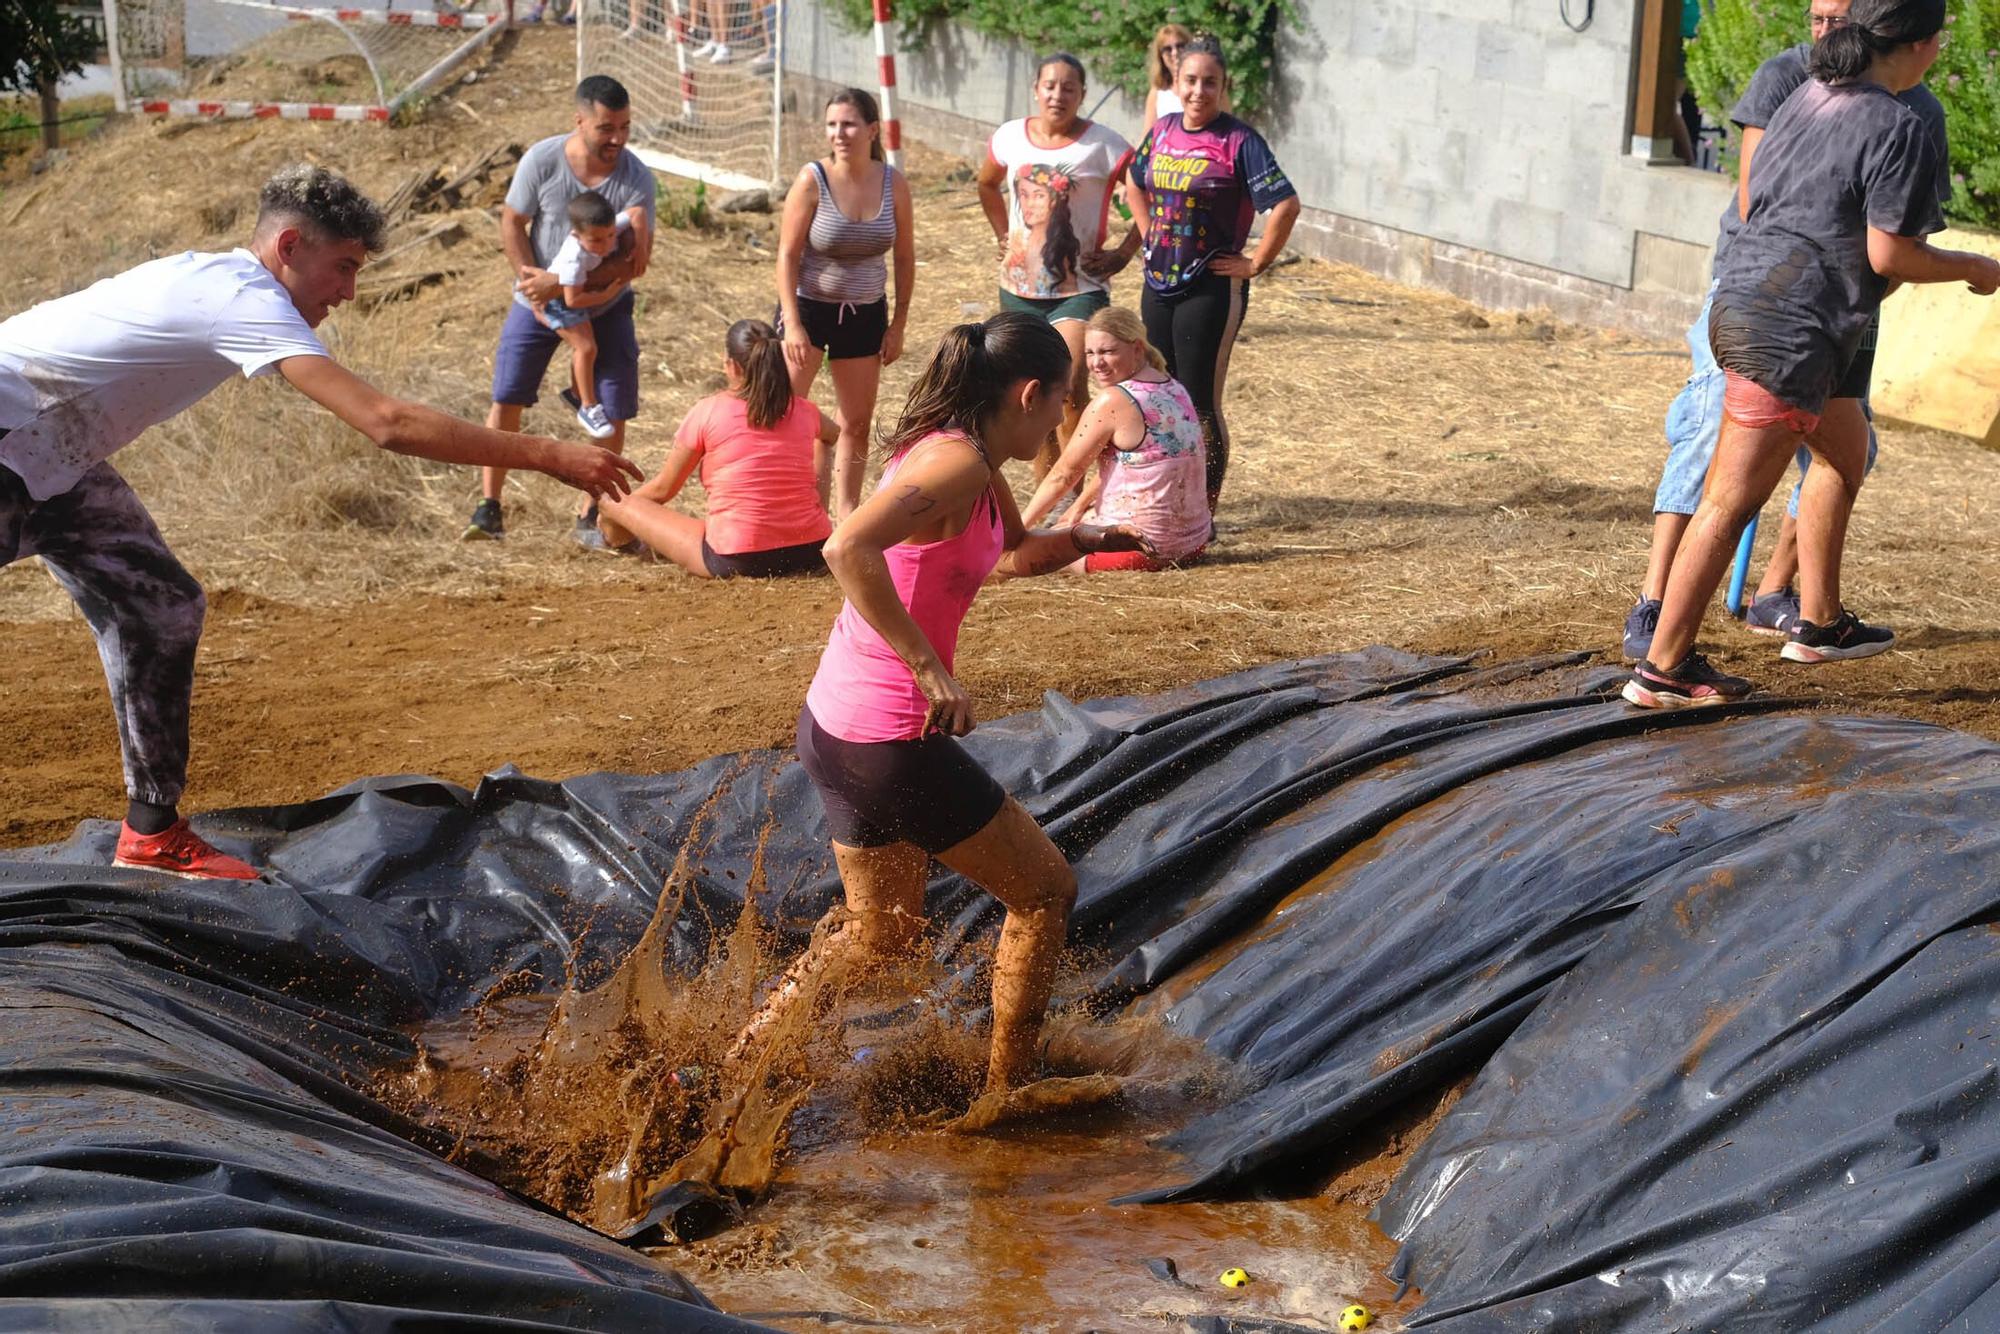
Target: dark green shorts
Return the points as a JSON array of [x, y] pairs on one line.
[[1056, 309]]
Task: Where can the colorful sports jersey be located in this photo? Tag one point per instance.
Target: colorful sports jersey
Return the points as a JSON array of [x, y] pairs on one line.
[[1205, 187]]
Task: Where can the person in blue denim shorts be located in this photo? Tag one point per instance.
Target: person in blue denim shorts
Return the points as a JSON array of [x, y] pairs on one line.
[[1694, 421]]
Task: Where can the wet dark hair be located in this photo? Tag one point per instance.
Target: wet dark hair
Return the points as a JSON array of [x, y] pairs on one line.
[[604, 91], [323, 202], [1873, 28], [971, 370], [864, 106], [1062, 58], [767, 382], [591, 209]]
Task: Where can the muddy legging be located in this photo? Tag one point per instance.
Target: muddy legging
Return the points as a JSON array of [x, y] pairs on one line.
[[1194, 330], [143, 608]]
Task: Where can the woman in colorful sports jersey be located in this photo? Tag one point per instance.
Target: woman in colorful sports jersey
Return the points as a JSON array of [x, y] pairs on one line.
[[879, 728], [1046, 186], [1198, 180], [1144, 437], [764, 453]]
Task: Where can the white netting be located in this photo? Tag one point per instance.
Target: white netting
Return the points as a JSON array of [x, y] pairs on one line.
[[246, 56], [692, 113]]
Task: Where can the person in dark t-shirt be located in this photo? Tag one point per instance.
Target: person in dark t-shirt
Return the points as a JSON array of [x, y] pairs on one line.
[[1843, 194]]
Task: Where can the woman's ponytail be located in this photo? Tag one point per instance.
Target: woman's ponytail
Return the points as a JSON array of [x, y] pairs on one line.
[[1873, 28], [767, 381], [1843, 54], [971, 370]]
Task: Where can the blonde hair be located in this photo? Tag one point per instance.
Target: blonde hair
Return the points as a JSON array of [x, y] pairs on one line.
[[1157, 71], [1126, 326]]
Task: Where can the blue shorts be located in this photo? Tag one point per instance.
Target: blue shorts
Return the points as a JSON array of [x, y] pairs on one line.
[[1694, 424], [559, 316], [526, 344]]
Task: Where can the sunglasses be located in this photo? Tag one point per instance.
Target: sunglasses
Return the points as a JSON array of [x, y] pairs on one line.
[[1170, 48]]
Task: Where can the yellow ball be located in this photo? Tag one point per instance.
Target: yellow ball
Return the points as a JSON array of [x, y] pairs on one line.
[[1233, 1278], [1356, 1317]]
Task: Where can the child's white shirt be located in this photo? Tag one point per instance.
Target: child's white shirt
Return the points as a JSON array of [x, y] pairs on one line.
[[573, 263]]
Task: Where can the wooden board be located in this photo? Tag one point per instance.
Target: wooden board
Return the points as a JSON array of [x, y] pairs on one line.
[[1939, 360]]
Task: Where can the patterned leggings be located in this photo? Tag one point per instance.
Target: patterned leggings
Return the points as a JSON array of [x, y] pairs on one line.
[[144, 609]]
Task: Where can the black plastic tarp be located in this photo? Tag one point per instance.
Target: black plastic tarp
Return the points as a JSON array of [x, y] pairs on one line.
[[1359, 877]]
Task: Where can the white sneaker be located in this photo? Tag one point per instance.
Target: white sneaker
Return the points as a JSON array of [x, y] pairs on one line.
[[764, 64], [720, 56], [704, 49], [594, 420]]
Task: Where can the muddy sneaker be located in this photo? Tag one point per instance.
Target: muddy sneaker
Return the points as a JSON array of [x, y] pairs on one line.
[[1772, 613], [485, 524], [178, 850], [1847, 637], [1640, 623], [596, 421], [1694, 684]]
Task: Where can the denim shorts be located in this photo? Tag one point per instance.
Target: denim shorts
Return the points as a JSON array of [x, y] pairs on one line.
[[526, 344], [1694, 424], [559, 316]]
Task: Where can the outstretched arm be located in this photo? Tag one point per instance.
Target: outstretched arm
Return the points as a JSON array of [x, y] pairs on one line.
[[411, 428], [1046, 552], [1911, 259]]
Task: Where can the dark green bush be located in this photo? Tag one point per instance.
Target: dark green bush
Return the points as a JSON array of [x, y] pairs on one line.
[[1110, 35], [1738, 35]]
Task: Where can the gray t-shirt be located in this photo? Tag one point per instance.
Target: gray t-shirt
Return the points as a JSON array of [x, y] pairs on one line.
[[1784, 74], [543, 185], [1795, 290]]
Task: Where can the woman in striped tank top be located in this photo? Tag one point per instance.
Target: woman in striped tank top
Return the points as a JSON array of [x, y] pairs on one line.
[[843, 214]]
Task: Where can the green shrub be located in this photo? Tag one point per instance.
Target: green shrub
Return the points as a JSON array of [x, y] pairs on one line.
[[1110, 35], [1738, 35]]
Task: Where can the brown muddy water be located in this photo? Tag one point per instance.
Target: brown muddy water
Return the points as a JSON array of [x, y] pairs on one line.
[[878, 1192]]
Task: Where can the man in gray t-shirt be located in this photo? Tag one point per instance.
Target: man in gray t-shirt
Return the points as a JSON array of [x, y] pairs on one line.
[[534, 221]]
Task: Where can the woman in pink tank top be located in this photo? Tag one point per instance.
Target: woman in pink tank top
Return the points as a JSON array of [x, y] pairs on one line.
[[1144, 436], [878, 733], [765, 454]]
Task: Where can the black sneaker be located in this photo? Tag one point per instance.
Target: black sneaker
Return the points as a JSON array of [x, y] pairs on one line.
[[1640, 623], [1694, 684], [1847, 637], [570, 396], [486, 524], [1772, 613]]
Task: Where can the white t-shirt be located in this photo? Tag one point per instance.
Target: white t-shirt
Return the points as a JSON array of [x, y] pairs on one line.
[[1168, 102], [1067, 195], [81, 376], [572, 263]]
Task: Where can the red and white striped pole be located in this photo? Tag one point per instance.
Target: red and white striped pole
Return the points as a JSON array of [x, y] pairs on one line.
[[885, 58]]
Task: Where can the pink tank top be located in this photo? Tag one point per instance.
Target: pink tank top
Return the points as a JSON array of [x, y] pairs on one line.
[[863, 691], [1159, 487]]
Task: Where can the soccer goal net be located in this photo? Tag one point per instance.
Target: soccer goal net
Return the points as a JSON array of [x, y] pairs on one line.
[[236, 58], [706, 78]]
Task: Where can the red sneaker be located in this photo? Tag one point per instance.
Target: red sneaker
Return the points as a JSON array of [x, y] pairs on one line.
[[178, 850]]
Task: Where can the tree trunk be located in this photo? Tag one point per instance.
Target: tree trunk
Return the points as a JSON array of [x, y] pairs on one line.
[[51, 112]]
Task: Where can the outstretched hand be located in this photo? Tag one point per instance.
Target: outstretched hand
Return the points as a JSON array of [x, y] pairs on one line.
[[1988, 279], [593, 469], [1092, 538]]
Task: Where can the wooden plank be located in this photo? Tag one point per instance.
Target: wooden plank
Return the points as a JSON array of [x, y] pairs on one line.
[[1938, 363]]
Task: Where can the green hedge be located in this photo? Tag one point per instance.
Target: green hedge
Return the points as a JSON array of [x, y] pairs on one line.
[[1738, 35], [1111, 36]]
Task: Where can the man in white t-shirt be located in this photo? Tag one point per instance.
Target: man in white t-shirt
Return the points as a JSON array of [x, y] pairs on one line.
[[83, 375]]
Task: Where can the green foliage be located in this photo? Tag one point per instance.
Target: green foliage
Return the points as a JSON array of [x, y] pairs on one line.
[[1739, 35], [39, 44], [1110, 35], [670, 211]]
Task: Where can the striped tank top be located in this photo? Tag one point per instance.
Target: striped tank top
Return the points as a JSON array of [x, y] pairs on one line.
[[843, 259]]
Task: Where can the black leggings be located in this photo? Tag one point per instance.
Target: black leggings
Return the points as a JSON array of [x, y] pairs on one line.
[[1194, 330]]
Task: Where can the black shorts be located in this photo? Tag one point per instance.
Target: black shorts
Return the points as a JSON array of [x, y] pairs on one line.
[[801, 559], [1855, 379], [842, 330], [926, 792]]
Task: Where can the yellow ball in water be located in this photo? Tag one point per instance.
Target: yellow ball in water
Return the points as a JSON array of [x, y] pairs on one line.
[[1233, 1278], [1356, 1317]]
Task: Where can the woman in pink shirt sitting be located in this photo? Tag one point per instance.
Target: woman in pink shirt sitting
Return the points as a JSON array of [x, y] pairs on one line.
[[878, 732], [764, 455], [1144, 435]]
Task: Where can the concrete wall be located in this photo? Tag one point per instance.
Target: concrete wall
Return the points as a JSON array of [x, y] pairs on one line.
[[1478, 146]]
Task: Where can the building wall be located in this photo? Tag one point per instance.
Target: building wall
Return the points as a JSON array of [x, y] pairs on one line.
[[1477, 146]]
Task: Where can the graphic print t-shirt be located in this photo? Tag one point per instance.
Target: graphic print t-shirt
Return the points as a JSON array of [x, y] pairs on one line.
[[1058, 200], [1205, 187]]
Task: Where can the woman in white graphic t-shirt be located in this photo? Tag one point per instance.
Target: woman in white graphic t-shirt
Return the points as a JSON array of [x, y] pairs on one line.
[[1047, 186]]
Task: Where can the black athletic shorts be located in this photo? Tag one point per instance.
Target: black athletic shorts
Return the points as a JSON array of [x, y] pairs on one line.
[[927, 792], [801, 559], [842, 330]]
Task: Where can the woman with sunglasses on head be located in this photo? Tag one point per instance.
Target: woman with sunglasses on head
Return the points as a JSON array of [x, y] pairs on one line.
[[1197, 182], [1046, 187], [1843, 194], [1162, 56], [844, 213]]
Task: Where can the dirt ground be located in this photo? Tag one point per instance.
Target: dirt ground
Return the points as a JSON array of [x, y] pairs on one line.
[[1410, 470]]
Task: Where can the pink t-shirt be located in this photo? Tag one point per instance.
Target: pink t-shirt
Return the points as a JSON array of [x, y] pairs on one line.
[[762, 494], [863, 691], [1160, 486]]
